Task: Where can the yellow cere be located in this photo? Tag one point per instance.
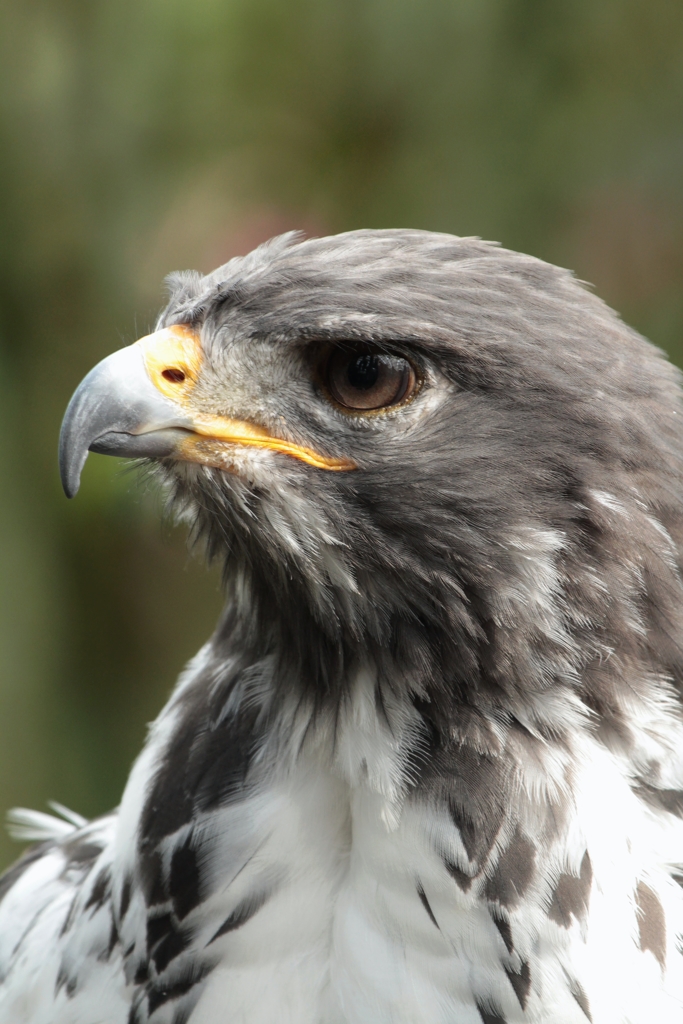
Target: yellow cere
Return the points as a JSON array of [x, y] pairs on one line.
[[173, 359]]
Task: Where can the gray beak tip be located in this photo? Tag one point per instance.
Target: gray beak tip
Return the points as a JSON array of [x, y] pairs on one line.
[[71, 462], [71, 487], [116, 411]]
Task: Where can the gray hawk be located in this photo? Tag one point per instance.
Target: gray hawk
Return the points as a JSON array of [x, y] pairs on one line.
[[429, 767]]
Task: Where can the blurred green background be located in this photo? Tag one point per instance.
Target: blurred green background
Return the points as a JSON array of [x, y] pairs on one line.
[[143, 136]]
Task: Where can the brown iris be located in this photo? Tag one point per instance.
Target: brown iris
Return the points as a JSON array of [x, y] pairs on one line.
[[365, 380]]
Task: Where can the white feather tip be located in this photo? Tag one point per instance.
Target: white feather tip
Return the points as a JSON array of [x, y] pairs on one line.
[[27, 826]]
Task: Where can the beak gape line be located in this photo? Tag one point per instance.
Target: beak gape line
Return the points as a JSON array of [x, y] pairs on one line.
[[135, 404]]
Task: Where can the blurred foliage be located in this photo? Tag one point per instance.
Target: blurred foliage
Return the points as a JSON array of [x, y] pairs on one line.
[[142, 136]]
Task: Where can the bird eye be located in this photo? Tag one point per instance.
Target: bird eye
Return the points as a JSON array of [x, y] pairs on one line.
[[368, 380]]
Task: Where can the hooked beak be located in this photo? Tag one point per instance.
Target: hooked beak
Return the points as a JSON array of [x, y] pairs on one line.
[[135, 404]]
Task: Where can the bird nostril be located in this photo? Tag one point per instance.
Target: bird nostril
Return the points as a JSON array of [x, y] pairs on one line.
[[174, 374]]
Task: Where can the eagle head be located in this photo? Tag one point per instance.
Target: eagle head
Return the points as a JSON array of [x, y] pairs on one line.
[[424, 453]]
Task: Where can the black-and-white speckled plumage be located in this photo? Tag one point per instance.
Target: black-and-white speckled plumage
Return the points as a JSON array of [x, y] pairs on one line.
[[429, 768]]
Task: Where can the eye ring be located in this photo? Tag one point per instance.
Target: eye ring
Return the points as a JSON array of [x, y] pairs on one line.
[[362, 380]]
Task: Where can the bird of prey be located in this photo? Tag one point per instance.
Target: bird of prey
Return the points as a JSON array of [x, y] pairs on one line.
[[429, 767]]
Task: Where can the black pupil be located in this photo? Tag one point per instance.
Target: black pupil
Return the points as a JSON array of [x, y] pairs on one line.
[[363, 372]]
